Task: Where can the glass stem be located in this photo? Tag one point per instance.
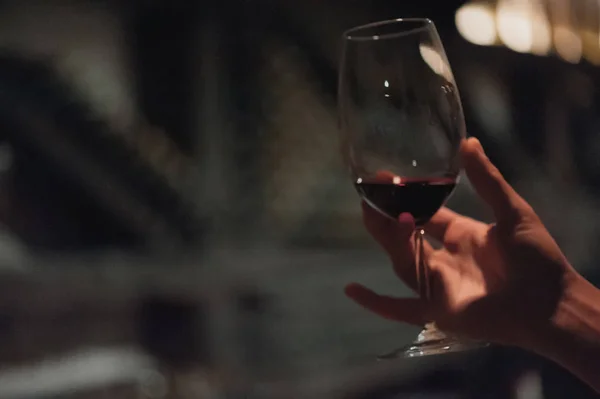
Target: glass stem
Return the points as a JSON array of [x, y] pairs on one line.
[[430, 331], [422, 269]]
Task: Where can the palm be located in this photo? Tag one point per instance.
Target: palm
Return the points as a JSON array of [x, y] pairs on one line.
[[466, 270], [486, 278], [456, 274]]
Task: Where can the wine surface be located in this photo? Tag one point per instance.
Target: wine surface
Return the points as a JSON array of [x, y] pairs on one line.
[[421, 198]]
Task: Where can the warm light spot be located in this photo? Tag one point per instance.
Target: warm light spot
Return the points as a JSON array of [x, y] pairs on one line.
[[396, 180], [542, 31], [568, 44], [476, 23], [589, 42], [515, 26]]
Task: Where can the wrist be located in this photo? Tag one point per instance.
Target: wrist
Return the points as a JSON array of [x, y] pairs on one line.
[[572, 336]]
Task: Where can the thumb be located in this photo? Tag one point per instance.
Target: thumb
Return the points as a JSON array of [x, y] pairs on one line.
[[489, 182], [407, 310]]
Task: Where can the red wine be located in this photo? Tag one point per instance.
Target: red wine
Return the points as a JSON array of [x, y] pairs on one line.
[[422, 198]]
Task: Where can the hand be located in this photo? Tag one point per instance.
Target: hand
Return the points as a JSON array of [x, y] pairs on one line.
[[497, 282]]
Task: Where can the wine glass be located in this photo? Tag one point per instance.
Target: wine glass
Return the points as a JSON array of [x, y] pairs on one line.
[[402, 124]]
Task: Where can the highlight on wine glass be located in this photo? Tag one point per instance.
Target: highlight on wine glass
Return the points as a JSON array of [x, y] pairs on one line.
[[402, 124]]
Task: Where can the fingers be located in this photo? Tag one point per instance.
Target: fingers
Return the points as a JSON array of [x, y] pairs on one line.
[[437, 226], [407, 310], [489, 182], [395, 238]]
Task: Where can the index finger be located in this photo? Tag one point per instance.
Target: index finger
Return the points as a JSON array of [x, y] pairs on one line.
[[395, 237]]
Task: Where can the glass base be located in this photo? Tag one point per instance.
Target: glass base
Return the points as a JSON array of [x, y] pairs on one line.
[[432, 341]]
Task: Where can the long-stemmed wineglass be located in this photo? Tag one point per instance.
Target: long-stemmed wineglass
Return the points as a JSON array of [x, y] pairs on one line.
[[402, 124]]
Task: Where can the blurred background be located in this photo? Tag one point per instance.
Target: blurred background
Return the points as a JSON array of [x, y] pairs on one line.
[[175, 219]]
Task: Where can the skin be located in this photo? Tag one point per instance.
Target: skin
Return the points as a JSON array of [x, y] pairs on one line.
[[506, 282]]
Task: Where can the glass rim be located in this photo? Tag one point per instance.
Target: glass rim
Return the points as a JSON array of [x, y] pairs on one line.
[[350, 36]]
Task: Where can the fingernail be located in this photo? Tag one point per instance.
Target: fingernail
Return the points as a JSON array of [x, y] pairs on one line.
[[405, 218], [353, 290], [477, 145]]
